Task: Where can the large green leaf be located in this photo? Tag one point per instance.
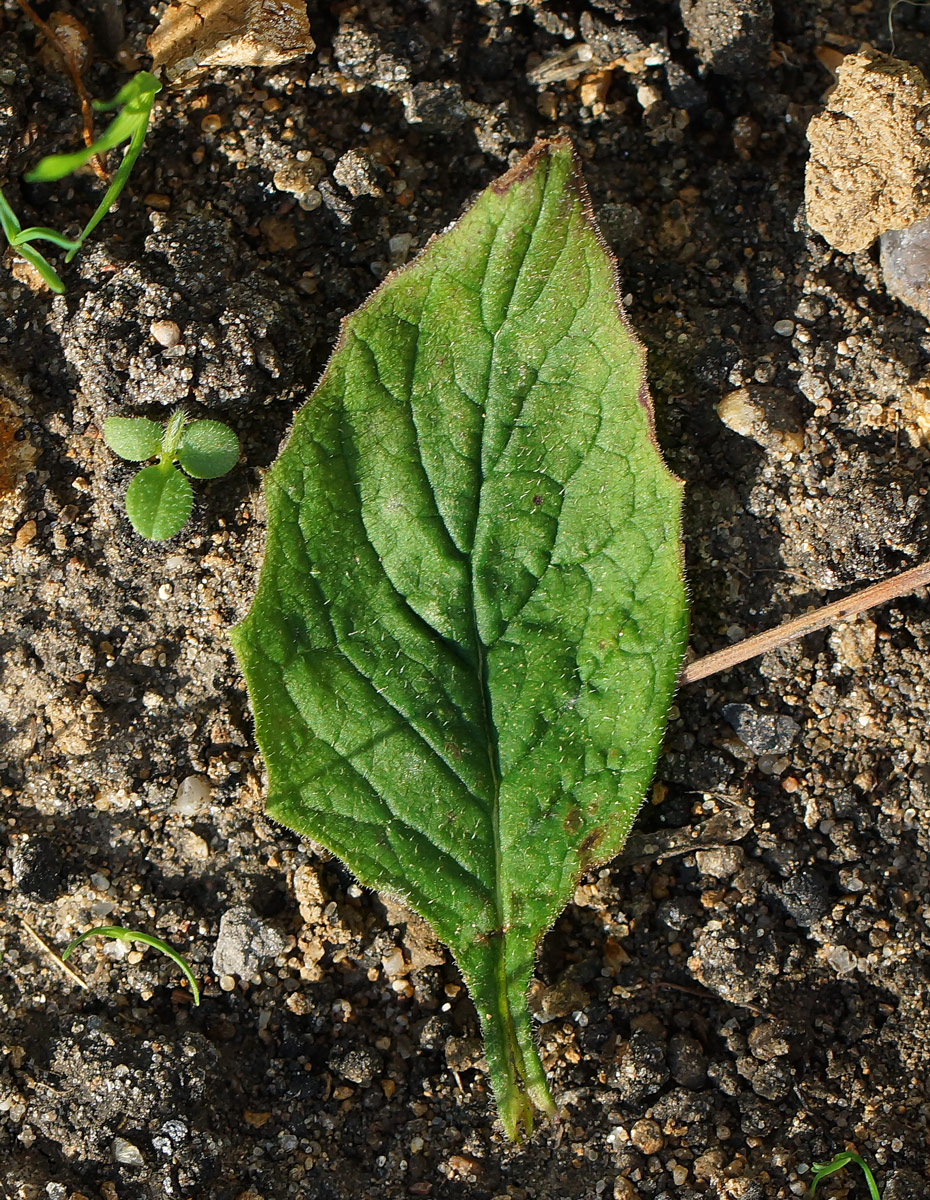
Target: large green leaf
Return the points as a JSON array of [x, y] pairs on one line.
[[471, 611]]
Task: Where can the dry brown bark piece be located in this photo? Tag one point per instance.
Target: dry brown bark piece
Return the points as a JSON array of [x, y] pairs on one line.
[[869, 166], [229, 33]]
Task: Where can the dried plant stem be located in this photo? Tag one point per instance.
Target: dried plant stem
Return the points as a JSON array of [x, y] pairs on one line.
[[798, 627], [87, 112], [56, 958]]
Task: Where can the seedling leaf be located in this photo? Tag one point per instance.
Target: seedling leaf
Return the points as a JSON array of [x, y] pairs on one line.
[[208, 449], [471, 612], [837, 1163], [47, 272], [18, 237], [159, 501], [133, 935], [37, 233], [9, 222], [133, 438], [136, 97]]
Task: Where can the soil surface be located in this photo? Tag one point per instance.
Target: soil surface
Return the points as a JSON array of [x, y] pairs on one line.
[[718, 1010]]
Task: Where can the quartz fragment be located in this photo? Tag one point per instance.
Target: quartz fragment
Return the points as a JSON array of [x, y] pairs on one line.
[[906, 264]]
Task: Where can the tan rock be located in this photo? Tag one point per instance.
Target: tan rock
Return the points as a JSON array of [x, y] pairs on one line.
[[869, 165], [770, 416], [646, 1135], [17, 458], [229, 33]]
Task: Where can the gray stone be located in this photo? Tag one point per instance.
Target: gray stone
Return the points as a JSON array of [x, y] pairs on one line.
[[244, 942], [729, 37], [805, 897], [436, 107], [37, 868], [762, 732], [721, 861], [687, 1061]]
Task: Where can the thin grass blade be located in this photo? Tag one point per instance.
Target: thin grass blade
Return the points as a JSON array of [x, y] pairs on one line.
[[134, 935]]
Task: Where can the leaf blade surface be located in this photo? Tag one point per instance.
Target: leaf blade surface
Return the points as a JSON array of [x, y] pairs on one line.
[[471, 613]]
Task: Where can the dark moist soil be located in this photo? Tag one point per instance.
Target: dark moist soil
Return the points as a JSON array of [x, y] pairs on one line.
[[714, 1021]]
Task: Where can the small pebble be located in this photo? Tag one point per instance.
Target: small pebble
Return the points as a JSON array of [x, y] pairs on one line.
[[193, 795], [244, 942], [25, 534], [905, 257], [762, 732], [646, 1135], [126, 1153], [770, 416], [157, 200], [840, 959], [687, 1061], [784, 328], [166, 333], [399, 246]]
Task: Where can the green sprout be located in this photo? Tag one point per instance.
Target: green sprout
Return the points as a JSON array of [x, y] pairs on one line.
[[159, 499], [837, 1163], [131, 124], [133, 935], [20, 238]]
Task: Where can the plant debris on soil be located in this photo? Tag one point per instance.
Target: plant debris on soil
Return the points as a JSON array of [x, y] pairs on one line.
[[730, 1005]]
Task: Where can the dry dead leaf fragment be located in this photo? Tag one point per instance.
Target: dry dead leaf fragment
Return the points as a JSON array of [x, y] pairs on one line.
[[229, 33], [71, 36]]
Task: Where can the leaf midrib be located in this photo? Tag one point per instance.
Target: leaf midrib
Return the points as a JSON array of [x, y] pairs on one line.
[[491, 733]]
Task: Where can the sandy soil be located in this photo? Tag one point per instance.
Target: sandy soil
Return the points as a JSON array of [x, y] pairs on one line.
[[714, 1019]]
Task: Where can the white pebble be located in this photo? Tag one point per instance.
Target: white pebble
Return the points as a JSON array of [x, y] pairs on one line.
[[166, 333], [784, 328], [125, 1152], [193, 795], [399, 246]]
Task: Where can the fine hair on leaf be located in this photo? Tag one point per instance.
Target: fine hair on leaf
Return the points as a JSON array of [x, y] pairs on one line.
[[471, 612], [159, 499]]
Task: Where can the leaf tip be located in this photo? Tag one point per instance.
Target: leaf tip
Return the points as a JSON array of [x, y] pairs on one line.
[[542, 148]]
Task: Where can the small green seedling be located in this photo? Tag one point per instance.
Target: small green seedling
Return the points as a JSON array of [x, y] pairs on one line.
[[20, 238], [159, 499], [837, 1163], [131, 123], [133, 935]]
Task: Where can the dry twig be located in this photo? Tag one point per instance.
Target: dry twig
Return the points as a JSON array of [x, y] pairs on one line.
[[798, 627], [87, 112], [56, 959]]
